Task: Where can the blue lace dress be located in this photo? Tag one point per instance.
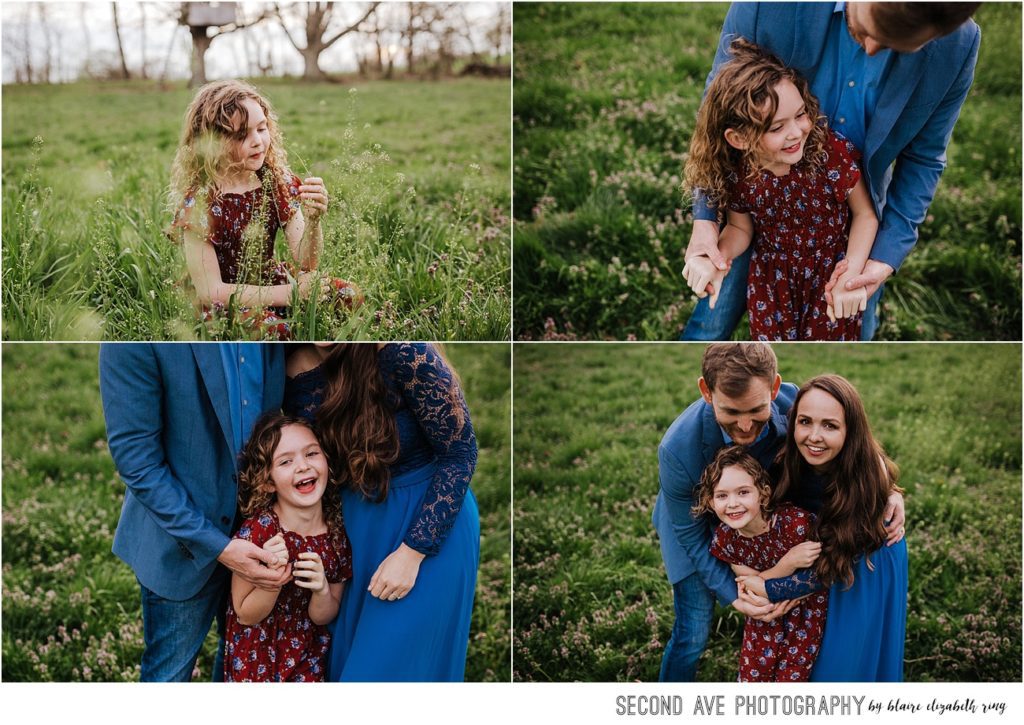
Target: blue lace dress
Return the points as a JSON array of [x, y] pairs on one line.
[[865, 628], [422, 637]]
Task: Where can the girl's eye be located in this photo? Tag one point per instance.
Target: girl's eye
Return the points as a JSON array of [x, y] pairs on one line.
[[284, 461]]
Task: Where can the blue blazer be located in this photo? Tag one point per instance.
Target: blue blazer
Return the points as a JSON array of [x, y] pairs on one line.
[[912, 124], [169, 432], [688, 446]]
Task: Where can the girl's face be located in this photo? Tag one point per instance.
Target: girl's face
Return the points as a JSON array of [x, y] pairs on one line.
[[252, 150], [820, 428], [298, 471], [782, 145], [737, 501]]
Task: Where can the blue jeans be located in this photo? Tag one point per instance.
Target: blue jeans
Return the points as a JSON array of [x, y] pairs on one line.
[[718, 324], [694, 604], [174, 631]]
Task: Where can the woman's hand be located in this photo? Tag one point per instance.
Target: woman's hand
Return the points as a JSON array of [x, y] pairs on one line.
[[279, 549], [314, 197], [753, 585], [802, 555], [396, 575], [895, 516], [309, 573]]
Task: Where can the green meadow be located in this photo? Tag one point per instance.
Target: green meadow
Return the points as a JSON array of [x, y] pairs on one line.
[[591, 599], [417, 173], [606, 96], [71, 609]]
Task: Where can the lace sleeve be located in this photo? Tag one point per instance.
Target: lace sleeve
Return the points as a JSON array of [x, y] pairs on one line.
[[433, 397], [800, 583]]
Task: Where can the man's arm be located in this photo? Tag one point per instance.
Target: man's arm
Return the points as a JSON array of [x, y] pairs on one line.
[[132, 391]]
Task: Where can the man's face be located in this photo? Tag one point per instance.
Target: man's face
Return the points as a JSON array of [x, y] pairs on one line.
[[872, 37], [743, 417]]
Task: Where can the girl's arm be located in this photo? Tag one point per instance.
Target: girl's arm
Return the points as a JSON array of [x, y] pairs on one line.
[[201, 261], [863, 228], [702, 275], [800, 556], [252, 605], [305, 236], [737, 235], [323, 607]]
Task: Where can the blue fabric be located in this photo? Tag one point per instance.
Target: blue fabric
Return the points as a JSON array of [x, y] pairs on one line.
[[686, 448], [243, 375], [169, 432], [424, 636], [174, 632], [694, 605]]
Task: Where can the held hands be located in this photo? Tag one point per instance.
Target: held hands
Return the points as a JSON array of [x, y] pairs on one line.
[[704, 278], [396, 575], [309, 573], [247, 560], [753, 585], [314, 197], [870, 279], [801, 556], [704, 243], [279, 549]]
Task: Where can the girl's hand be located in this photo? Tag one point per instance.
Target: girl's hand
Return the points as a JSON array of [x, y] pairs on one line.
[[704, 278], [311, 283], [846, 303], [314, 197], [309, 573], [802, 555], [279, 549], [753, 585], [396, 575]]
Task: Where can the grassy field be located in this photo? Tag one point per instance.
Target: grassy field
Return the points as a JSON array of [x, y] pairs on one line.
[[591, 599], [419, 216], [71, 608], [606, 95]]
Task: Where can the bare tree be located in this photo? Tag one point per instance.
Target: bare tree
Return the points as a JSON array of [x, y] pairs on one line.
[[201, 19], [120, 45], [319, 35]]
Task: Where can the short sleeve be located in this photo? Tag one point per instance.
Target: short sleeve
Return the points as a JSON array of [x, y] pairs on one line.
[[721, 547], [341, 568], [738, 199], [288, 201], [797, 525], [841, 167], [192, 216], [258, 529]]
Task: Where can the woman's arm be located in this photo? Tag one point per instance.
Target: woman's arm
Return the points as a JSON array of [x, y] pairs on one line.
[[252, 605], [201, 261]]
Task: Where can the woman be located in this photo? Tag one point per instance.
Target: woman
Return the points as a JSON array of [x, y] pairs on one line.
[[834, 467], [396, 429]]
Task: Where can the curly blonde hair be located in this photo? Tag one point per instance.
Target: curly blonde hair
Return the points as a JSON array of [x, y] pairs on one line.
[[742, 97], [735, 455], [256, 487], [215, 121]]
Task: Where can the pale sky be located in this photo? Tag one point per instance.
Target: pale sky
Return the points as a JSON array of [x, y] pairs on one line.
[[167, 44]]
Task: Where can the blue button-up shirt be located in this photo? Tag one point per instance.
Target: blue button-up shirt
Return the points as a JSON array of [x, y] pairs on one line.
[[243, 371]]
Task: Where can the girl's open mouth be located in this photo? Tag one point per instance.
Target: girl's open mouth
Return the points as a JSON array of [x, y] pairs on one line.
[[306, 485]]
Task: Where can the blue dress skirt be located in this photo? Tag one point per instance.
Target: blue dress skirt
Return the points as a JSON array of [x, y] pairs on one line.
[[371, 637], [866, 624]]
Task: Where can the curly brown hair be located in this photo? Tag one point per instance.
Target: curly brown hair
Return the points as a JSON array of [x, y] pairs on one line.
[[742, 97], [255, 485], [858, 483], [735, 455]]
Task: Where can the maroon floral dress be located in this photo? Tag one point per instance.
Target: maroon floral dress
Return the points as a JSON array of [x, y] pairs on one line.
[[782, 650], [228, 215], [801, 229], [286, 646]]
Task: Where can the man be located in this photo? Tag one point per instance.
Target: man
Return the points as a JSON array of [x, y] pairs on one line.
[[892, 78], [177, 416], [743, 401]]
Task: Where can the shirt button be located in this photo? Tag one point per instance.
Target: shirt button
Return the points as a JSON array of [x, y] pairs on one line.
[[842, 119], [245, 402], [241, 359], [851, 84]]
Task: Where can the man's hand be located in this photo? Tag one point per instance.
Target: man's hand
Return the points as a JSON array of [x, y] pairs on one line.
[[874, 274], [251, 563], [704, 278], [762, 613], [895, 514], [704, 243]]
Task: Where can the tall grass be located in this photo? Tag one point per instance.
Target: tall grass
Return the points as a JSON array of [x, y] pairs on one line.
[[418, 216], [606, 96], [592, 601], [71, 609]]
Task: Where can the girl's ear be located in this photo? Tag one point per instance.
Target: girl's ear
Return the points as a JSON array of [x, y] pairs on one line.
[[734, 139]]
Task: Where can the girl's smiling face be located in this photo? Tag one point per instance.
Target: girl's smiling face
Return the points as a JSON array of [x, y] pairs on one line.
[[298, 470], [820, 428], [737, 501], [251, 151], [782, 145]]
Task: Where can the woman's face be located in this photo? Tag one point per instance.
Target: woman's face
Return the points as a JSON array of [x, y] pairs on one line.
[[820, 428]]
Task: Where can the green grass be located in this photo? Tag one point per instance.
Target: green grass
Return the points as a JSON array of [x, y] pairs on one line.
[[417, 173], [606, 95], [592, 601], [71, 609]]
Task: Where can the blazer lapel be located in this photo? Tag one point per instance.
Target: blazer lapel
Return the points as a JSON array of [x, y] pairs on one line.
[[211, 368], [712, 438], [894, 96]]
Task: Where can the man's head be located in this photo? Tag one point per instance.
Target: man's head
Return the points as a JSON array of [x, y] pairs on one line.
[[903, 27], [739, 381]]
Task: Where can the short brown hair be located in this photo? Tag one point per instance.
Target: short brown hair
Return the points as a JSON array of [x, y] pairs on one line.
[[730, 366], [725, 458], [898, 19]]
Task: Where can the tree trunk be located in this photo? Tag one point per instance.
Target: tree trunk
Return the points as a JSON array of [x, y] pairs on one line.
[[120, 45], [200, 44]]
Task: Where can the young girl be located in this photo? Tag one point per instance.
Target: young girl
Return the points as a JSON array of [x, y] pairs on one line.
[[762, 153], [231, 191], [754, 541], [280, 636]]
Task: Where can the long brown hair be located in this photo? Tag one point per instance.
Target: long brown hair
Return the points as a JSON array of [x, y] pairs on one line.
[[358, 419], [742, 97], [255, 484], [858, 483]]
